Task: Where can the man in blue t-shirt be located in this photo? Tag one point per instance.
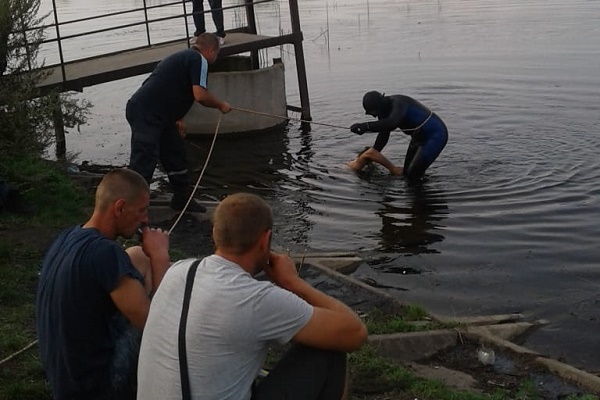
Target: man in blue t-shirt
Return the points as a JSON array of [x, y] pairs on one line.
[[155, 113], [427, 131], [93, 296]]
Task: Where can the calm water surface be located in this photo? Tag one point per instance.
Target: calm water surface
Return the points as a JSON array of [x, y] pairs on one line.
[[508, 219]]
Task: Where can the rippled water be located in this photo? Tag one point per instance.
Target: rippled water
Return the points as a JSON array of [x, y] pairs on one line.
[[508, 219]]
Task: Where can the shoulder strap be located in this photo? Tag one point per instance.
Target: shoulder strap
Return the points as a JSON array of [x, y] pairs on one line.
[[183, 366]]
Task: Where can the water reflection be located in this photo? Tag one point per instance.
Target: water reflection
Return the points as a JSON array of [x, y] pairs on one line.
[[241, 162], [305, 153], [259, 164], [413, 227]]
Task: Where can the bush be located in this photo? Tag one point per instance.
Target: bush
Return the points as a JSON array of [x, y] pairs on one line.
[[27, 114]]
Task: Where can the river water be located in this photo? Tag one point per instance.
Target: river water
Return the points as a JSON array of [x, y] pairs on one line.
[[508, 218]]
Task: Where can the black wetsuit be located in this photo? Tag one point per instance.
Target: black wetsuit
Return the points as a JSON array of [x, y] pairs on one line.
[[427, 131]]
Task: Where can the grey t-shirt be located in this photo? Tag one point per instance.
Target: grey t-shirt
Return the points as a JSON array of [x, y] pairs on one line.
[[232, 318]]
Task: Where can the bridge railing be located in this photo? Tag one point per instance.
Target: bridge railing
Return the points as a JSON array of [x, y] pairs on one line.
[[58, 27]]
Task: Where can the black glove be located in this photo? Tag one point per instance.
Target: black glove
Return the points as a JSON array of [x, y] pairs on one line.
[[361, 128]]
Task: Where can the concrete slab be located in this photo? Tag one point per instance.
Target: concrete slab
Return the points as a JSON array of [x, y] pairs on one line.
[[509, 331], [451, 378], [412, 346], [585, 379], [481, 319], [487, 338], [344, 265], [351, 281]]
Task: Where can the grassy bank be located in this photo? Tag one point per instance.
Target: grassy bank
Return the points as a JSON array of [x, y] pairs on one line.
[[56, 203]]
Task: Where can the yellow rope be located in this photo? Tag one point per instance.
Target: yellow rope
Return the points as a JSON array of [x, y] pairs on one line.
[[24, 349], [286, 117], [420, 126], [199, 177]]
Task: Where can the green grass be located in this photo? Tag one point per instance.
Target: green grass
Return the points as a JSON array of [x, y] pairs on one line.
[[58, 204], [21, 377], [57, 201], [412, 319]]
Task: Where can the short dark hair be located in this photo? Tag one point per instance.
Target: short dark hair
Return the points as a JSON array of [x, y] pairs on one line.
[[207, 40], [122, 183], [239, 221]]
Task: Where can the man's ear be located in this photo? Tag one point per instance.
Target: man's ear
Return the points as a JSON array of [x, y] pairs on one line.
[[270, 233], [265, 240], [118, 207]]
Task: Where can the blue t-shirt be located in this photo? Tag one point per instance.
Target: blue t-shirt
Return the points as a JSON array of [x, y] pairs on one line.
[[167, 95], [77, 321]]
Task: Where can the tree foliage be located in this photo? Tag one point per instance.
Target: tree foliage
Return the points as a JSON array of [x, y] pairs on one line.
[[27, 114]]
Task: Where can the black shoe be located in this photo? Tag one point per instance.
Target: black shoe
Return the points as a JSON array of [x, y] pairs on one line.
[[178, 203]]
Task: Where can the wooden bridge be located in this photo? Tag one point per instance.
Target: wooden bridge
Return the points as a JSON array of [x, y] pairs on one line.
[[77, 74]]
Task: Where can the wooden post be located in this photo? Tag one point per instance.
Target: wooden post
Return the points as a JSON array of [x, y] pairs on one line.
[[300, 67], [59, 128], [251, 28]]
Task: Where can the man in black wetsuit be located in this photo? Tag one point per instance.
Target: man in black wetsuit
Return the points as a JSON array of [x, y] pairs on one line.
[[427, 131], [155, 113]]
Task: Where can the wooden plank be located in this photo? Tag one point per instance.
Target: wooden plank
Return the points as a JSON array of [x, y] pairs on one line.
[[109, 67]]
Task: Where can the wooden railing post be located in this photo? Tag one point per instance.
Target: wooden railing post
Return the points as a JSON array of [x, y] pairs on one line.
[[146, 21], [251, 17], [59, 127], [58, 40], [300, 67]]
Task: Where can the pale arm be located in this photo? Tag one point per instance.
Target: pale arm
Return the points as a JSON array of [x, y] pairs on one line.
[[373, 155], [333, 325]]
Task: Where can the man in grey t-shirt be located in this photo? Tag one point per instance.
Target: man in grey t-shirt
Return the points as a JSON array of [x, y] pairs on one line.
[[233, 318]]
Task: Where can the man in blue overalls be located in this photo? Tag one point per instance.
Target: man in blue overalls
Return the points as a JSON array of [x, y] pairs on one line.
[[155, 113]]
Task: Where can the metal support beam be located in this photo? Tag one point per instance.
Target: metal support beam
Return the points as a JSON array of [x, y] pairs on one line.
[[59, 128], [300, 66]]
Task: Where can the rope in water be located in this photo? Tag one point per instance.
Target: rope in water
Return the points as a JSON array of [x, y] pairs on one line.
[[288, 118]]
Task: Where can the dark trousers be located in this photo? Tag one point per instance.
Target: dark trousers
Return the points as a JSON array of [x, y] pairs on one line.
[[152, 142], [217, 16], [123, 369], [304, 373]]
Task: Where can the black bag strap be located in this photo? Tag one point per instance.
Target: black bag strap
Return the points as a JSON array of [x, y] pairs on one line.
[[183, 365]]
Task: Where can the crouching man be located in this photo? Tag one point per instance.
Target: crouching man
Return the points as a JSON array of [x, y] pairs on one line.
[[233, 317]]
